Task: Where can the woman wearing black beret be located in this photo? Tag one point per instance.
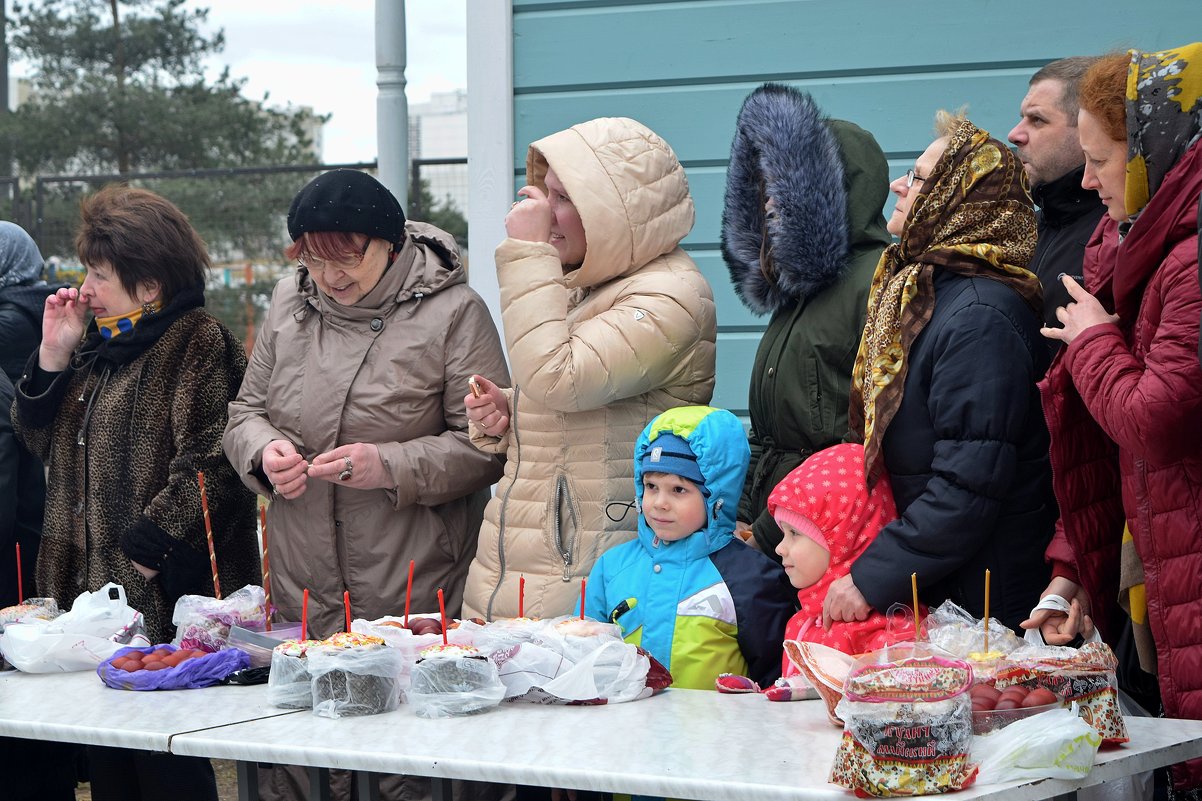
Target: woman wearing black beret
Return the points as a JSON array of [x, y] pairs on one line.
[[351, 414]]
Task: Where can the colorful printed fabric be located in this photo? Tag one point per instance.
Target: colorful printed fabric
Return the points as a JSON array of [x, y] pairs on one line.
[[974, 217], [1164, 117], [110, 327]]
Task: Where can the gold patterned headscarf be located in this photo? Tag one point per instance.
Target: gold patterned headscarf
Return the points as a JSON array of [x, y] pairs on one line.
[[973, 217]]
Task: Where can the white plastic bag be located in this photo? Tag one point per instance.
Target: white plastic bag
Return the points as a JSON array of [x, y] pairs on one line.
[[613, 672], [1055, 603], [1051, 745], [98, 625]]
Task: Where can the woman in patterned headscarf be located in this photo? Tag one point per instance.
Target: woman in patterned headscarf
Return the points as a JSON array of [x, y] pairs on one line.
[[943, 391], [1128, 379]]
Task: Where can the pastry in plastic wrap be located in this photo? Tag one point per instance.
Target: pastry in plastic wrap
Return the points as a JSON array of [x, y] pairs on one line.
[[1085, 675], [31, 609], [288, 684], [452, 680], [408, 641], [908, 727], [203, 622], [354, 675]]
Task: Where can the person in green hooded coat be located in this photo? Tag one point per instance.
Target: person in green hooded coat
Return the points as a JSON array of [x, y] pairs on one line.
[[802, 232]]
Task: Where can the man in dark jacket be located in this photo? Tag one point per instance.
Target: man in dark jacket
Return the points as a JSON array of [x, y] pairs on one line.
[[1050, 151]]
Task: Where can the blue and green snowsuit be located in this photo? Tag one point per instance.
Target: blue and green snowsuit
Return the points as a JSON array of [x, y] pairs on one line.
[[708, 603]]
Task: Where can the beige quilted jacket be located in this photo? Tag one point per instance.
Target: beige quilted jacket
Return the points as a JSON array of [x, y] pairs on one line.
[[595, 354]]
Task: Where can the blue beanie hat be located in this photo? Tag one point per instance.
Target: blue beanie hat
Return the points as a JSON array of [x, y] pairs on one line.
[[669, 453]]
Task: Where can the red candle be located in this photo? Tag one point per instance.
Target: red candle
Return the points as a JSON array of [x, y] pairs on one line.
[[266, 565], [521, 596], [583, 584], [408, 592], [20, 583], [442, 613], [305, 615], [346, 606]]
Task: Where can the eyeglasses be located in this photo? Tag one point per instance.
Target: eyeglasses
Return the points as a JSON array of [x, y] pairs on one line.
[[316, 265], [911, 177]]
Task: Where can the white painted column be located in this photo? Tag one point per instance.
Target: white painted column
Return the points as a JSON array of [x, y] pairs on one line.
[[489, 140], [392, 107]]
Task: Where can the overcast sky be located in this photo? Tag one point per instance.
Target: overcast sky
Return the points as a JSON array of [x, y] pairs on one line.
[[321, 53]]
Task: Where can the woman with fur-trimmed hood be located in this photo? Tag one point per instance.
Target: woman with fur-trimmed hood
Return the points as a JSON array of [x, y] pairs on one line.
[[802, 232], [608, 322]]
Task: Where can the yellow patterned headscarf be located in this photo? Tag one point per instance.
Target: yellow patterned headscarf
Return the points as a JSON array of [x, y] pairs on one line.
[[1164, 117], [973, 217]]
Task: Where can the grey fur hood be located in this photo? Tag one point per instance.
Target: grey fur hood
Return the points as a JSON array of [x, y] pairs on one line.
[[786, 151]]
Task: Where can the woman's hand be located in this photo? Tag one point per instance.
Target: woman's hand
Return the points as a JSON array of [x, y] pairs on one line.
[[285, 468], [1084, 312], [355, 465], [745, 533], [146, 572], [530, 218], [63, 323], [844, 603], [1059, 628], [488, 411]]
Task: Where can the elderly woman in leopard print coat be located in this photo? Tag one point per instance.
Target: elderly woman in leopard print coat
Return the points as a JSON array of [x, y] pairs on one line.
[[126, 408]]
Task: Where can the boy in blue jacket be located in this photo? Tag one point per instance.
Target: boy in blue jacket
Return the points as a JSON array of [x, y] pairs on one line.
[[687, 590]]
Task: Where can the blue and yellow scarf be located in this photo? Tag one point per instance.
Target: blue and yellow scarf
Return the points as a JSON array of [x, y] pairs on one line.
[[124, 323]]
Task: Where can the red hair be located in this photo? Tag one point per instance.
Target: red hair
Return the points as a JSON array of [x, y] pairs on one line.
[[1103, 93], [327, 245]]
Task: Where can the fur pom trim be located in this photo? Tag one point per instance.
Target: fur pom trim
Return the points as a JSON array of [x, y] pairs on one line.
[[783, 150]]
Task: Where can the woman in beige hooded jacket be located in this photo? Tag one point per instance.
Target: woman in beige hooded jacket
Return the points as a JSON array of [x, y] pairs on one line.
[[351, 416], [608, 322]]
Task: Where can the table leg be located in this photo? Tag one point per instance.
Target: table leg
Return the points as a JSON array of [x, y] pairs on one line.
[[441, 789], [319, 784], [248, 781], [367, 784]]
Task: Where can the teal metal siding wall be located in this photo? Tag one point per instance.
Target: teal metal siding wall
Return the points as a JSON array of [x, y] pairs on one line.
[[684, 67]]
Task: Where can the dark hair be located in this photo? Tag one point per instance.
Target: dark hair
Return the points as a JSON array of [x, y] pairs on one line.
[[144, 238], [1104, 94], [1069, 72]]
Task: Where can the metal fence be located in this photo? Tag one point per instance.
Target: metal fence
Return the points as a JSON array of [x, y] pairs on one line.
[[10, 201], [240, 213], [445, 181]]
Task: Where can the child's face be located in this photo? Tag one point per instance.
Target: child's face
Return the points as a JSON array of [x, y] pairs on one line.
[[805, 560], [672, 505]]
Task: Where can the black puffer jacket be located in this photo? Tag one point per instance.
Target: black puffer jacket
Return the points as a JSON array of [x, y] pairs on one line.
[[22, 495], [828, 181], [967, 453]]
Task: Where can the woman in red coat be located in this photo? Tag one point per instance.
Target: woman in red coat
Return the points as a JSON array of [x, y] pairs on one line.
[[1124, 397]]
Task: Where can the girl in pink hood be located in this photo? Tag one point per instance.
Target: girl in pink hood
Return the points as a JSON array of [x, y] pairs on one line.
[[829, 516]]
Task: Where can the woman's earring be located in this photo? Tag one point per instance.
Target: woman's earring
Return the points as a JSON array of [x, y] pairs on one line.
[[148, 309]]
